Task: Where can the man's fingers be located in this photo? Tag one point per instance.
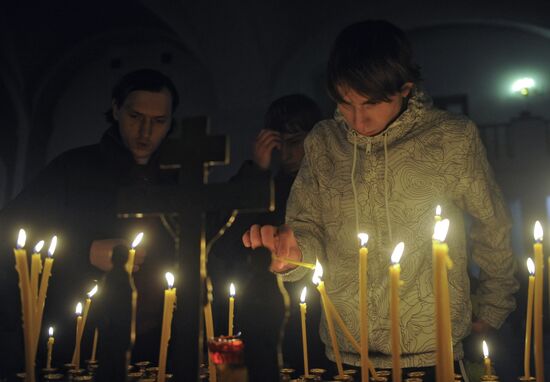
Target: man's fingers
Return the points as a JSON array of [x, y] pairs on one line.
[[266, 136], [255, 236], [268, 237], [246, 239]]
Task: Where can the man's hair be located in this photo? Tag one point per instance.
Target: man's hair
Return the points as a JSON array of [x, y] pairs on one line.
[[142, 79], [372, 57], [292, 114]]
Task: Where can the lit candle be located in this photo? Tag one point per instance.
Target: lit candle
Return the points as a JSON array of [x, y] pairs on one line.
[[231, 309], [303, 311], [169, 302], [486, 359], [51, 341], [36, 269], [87, 305], [529, 319], [363, 307], [42, 291], [444, 367], [94, 346], [437, 216], [26, 303], [539, 280], [395, 271], [76, 353], [132, 253], [317, 274]]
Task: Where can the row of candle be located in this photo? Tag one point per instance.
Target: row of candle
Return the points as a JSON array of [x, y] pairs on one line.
[[33, 290]]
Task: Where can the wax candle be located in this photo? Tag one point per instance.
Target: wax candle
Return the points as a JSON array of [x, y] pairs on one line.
[[363, 307], [486, 359], [51, 341], [36, 269], [26, 303], [231, 309], [94, 346], [168, 311], [76, 352], [303, 312], [539, 280], [445, 362], [44, 281], [395, 272], [132, 253], [87, 304], [317, 274], [209, 323], [529, 319]]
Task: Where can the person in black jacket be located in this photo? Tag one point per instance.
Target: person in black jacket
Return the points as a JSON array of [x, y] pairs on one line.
[[74, 197]]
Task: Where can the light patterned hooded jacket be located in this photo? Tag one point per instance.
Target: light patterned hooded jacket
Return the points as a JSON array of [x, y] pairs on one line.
[[424, 158]]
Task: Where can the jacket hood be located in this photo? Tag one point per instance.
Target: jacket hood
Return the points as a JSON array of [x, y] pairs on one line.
[[417, 105]]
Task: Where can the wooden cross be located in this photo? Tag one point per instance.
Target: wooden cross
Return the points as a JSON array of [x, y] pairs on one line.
[[187, 203]]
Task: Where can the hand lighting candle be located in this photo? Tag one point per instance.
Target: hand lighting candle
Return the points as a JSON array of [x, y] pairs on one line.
[[303, 311], [444, 357], [132, 253], [169, 302], [51, 341], [316, 279], [539, 282], [363, 307], [395, 271], [231, 309], [529, 319]]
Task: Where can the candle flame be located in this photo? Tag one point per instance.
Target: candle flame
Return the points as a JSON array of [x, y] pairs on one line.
[[92, 292], [440, 230], [397, 253], [21, 238], [531, 266], [303, 295], [38, 247], [485, 349], [137, 240], [50, 331], [537, 232], [364, 238], [78, 309], [53, 245], [169, 279], [438, 210], [318, 273], [232, 290]]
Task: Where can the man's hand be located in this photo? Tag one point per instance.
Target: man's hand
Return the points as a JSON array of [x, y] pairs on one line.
[[279, 240], [266, 141], [480, 327], [102, 250]]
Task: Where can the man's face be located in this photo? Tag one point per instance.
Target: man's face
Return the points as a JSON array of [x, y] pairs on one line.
[[144, 119], [369, 118], [292, 151]]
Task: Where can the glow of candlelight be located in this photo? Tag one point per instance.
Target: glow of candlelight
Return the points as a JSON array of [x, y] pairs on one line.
[[169, 279], [303, 295], [397, 253], [137, 240], [440, 230]]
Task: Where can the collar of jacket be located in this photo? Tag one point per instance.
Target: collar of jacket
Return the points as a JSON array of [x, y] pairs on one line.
[[417, 105]]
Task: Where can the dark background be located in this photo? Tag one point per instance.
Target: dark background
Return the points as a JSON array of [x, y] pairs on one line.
[[230, 59]]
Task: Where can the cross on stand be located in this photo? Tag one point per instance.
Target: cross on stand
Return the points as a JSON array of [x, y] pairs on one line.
[[187, 203]]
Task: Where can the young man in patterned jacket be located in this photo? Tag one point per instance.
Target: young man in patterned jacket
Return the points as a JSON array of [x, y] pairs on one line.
[[387, 158]]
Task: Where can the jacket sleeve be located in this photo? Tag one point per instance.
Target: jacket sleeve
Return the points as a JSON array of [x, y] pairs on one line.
[[303, 213], [491, 250]]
